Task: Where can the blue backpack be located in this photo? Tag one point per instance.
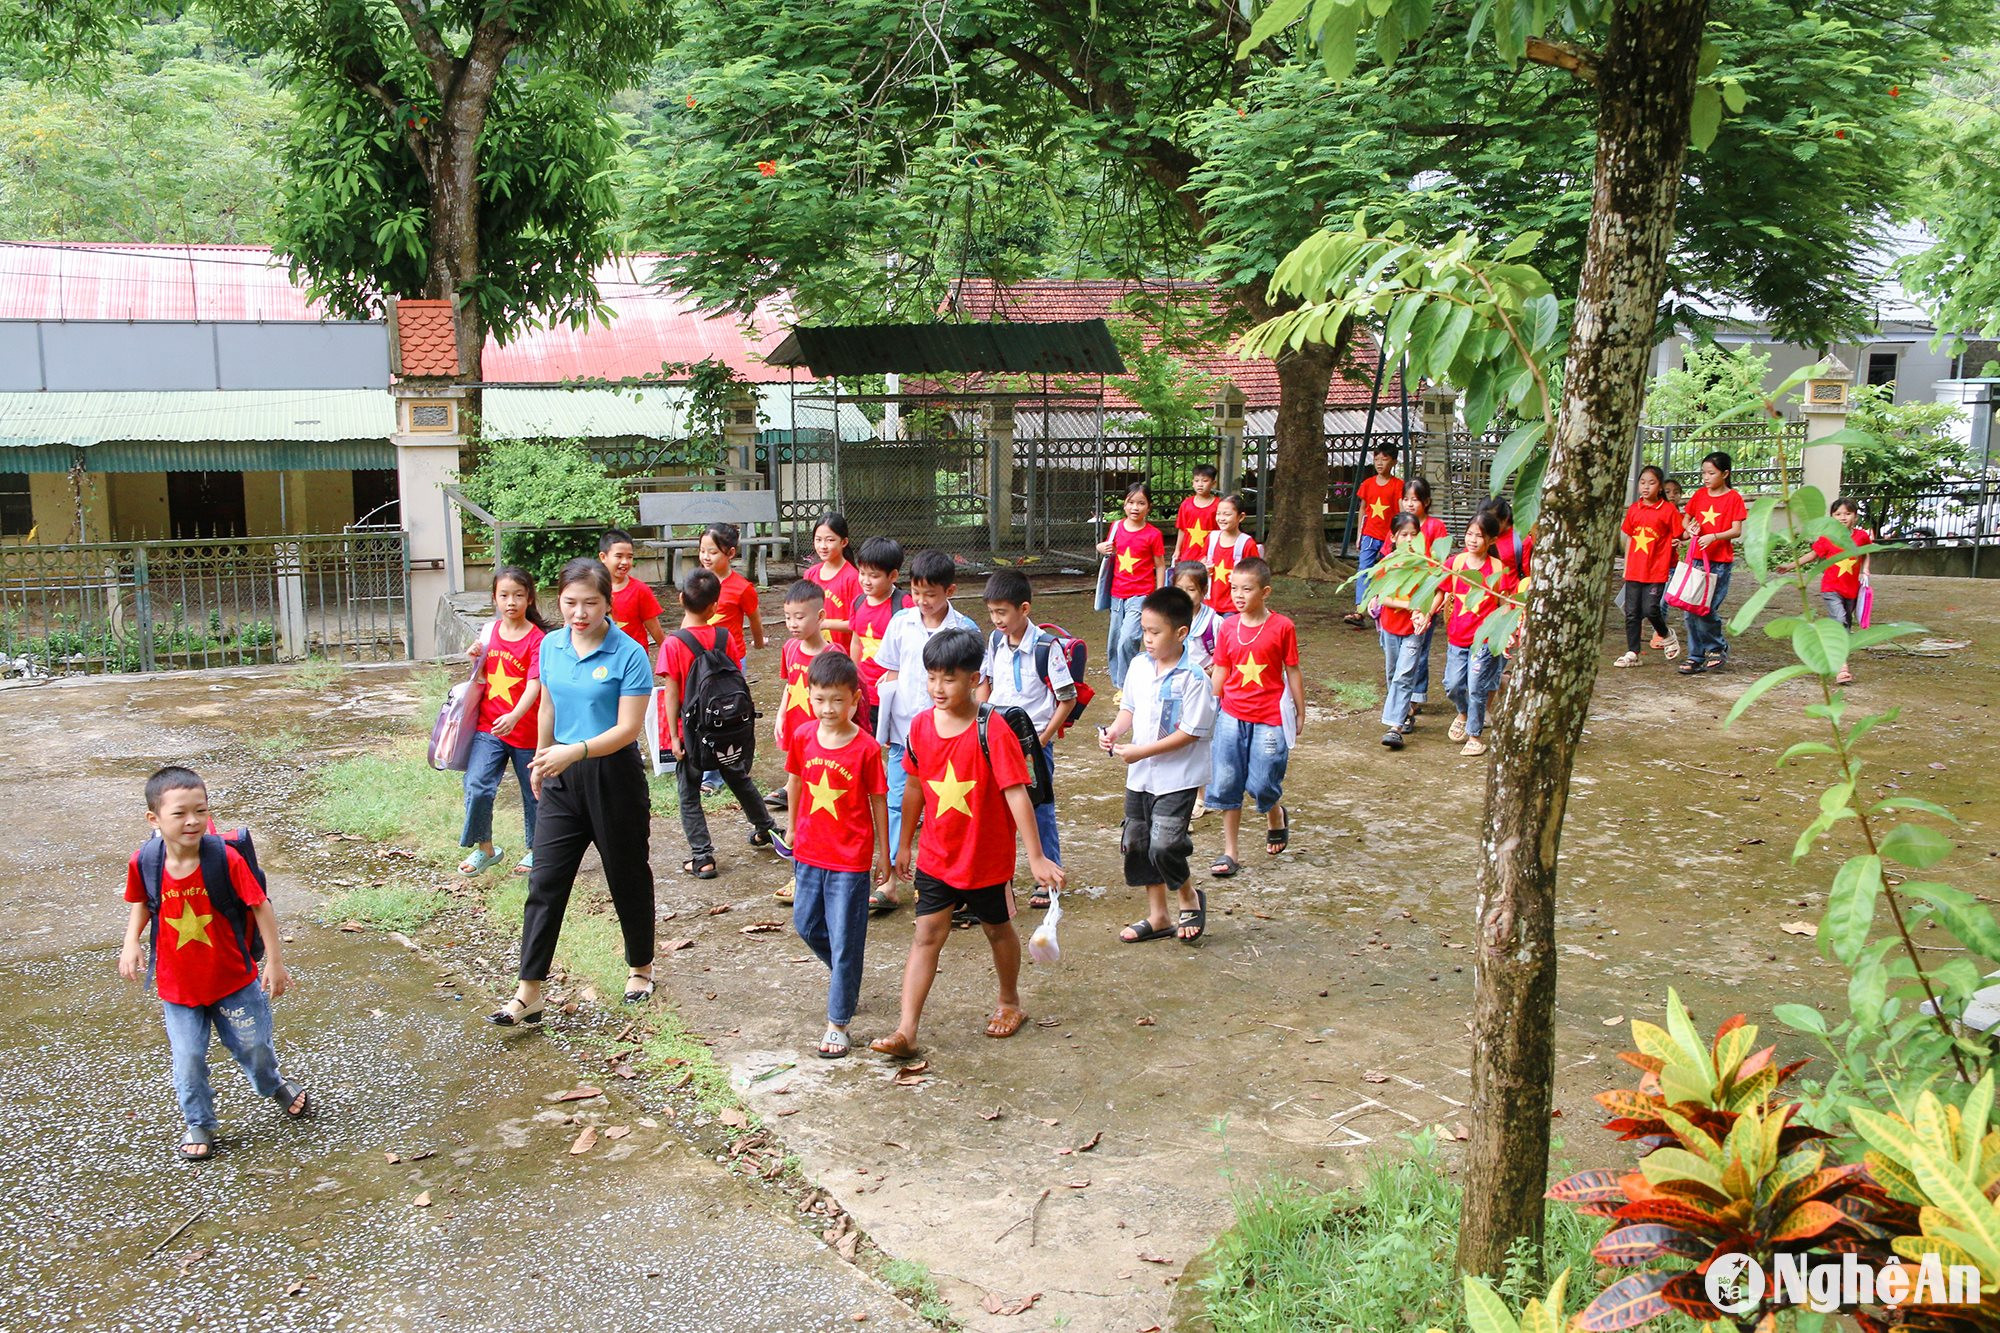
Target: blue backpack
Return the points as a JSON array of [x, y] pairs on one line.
[[215, 849]]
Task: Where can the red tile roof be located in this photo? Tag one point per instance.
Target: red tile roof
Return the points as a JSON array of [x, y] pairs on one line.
[[1064, 300], [427, 339], [117, 281]]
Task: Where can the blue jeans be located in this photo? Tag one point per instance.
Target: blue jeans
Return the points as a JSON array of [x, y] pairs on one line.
[[1705, 632], [1122, 644], [1246, 757], [892, 761], [1421, 690], [1371, 556], [1470, 674], [1045, 818], [830, 912], [242, 1022], [1399, 671], [490, 757]]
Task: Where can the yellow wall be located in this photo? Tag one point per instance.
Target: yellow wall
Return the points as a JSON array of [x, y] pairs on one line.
[[55, 508], [138, 508], [132, 506]]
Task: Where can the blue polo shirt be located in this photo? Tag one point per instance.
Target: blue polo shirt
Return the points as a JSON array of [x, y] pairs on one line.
[[585, 691]]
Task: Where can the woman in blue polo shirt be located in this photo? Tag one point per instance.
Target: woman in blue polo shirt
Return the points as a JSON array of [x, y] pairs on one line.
[[591, 785]]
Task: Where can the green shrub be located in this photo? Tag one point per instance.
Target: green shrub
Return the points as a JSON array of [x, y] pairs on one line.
[[557, 486]]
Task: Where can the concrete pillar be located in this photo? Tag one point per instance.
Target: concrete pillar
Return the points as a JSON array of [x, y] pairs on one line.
[[739, 429], [428, 436], [1000, 472], [1437, 407], [1825, 410], [1229, 426]]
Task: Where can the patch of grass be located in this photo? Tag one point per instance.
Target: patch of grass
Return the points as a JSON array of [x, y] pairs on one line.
[[393, 797], [387, 907], [315, 675], [282, 743], [1376, 1256], [433, 684], [1354, 696], [914, 1283]]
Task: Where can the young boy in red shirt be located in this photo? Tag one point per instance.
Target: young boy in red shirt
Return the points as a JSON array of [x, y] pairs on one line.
[[972, 807], [868, 619], [1378, 498], [839, 835], [1261, 698], [1196, 517], [634, 608], [203, 959], [805, 608]]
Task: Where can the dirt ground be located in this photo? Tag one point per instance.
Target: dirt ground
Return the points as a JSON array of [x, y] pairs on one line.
[[1090, 1158]]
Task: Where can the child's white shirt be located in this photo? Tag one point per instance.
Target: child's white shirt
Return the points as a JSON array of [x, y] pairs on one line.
[[902, 652], [1010, 671], [1191, 699]]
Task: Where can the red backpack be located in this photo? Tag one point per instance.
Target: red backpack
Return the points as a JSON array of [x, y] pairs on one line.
[[1077, 656]]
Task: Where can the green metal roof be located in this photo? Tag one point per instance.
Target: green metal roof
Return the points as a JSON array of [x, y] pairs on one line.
[[248, 430]]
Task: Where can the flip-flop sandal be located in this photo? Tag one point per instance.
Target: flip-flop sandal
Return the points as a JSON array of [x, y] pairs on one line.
[[1692, 668], [1673, 649], [479, 862], [526, 865], [701, 867], [834, 1044], [641, 992], [895, 1045], [1143, 930], [290, 1095], [783, 893], [1279, 838], [1354, 619], [1224, 867], [1198, 918], [1006, 1021], [203, 1139], [880, 903], [1456, 731], [1039, 899]]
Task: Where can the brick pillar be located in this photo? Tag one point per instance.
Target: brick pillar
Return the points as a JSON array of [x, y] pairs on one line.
[[1825, 410], [1000, 472]]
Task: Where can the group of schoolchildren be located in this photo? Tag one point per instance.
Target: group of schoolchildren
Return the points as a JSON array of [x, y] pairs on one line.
[[918, 751]]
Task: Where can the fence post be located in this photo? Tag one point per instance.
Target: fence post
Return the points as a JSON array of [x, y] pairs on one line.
[[409, 610], [1000, 472], [1229, 423], [1825, 410], [142, 603], [292, 637], [1437, 405]]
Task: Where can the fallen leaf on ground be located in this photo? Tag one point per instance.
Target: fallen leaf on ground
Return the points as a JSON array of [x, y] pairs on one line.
[[990, 1115], [584, 1141], [675, 946], [908, 1078], [1050, 1123], [352, 927], [1261, 916], [1374, 1078], [422, 1200], [295, 1289], [733, 1117], [1076, 1184], [1048, 1022], [194, 1256], [916, 1066], [762, 928], [1144, 1022], [581, 1092], [617, 1131], [394, 1157], [1614, 1020], [720, 908], [1805, 928], [1153, 1258], [624, 1071], [1095, 1139], [997, 1304]]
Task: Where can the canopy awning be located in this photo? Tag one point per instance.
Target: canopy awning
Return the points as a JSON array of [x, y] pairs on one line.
[[223, 430], [1082, 348]]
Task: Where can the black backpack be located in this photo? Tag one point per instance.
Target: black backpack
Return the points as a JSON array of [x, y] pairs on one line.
[[215, 849], [1042, 786], [718, 716]]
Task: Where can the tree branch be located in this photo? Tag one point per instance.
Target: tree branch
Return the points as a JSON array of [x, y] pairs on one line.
[[1561, 55], [429, 42]]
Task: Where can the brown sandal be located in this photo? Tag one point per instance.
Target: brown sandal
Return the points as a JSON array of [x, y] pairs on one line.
[[895, 1045], [1006, 1021]]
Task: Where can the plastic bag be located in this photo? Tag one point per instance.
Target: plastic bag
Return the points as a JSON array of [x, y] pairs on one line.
[[1042, 945]]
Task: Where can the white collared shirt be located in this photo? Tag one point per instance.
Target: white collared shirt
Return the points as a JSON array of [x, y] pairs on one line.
[[1179, 769], [1010, 671], [902, 652]]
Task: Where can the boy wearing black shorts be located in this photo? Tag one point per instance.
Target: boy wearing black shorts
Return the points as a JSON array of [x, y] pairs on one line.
[[971, 807]]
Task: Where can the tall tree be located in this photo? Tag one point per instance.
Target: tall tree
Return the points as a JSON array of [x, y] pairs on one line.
[[1959, 271]]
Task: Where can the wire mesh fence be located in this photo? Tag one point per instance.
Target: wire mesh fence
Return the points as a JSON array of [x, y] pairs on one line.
[[161, 606], [1765, 456], [1964, 512]]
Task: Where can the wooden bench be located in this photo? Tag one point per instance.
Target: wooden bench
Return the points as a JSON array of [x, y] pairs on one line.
[[746, 509]]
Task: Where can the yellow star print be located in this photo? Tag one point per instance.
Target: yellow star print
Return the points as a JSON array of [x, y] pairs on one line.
[[190, 926], [1708, 516], [1250, 671], [1127, 563], [1197, 537], [824, 794], [951, 791], [870, 644], [1378, 509], [500, 682], [1846, 566], [715, 618], [1642, 540], [796, 698]]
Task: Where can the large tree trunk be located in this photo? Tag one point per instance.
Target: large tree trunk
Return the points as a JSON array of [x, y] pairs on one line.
[[454, 240], [1646, 85], [1296, 498]]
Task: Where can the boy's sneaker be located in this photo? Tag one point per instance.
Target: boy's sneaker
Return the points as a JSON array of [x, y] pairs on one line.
[[1474, 746], [1393, 738]]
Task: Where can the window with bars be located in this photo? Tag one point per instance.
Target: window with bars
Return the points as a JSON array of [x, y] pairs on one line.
[[17, 506]]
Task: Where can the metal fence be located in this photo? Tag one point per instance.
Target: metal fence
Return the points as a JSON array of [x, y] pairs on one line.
[[162, 606], [1755, 449], [1965, 512]]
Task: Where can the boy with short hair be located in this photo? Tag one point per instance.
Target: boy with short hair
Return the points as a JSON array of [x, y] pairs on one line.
[[1261, 696], [1378, 498], [1169, 712], [1018, 653], [634, 608], [1195, 519], [903, 687], [805, 610], [971, 791], [839, 834], [204, 960], [868, 618], [700, 632]]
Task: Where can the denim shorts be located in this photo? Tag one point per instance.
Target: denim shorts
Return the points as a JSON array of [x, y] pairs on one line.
[[1247, 757]]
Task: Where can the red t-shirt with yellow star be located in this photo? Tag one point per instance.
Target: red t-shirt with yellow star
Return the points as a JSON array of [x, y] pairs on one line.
[[1381, 497], [834, 826], [1253, 663], [1132, 557], [1844, 575], [793, 663], [1469, 601], [1649, 531], [737, 601], [967, 835], [1192, 526], [1715, 513], [632, 606], [1223, 554], [198, 961], [510, 665], [871, 621], [843, 592]]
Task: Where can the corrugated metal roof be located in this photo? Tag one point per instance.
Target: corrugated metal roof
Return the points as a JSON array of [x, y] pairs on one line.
[[229, 456], [1080, 348], [30, 420], [655, 414]]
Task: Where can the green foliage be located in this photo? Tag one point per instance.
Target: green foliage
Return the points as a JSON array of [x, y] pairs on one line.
[[1896, 452], [1712, 383], [1959, 272], [1154, 341], [175, 138], [177, 642], [559, 490]]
